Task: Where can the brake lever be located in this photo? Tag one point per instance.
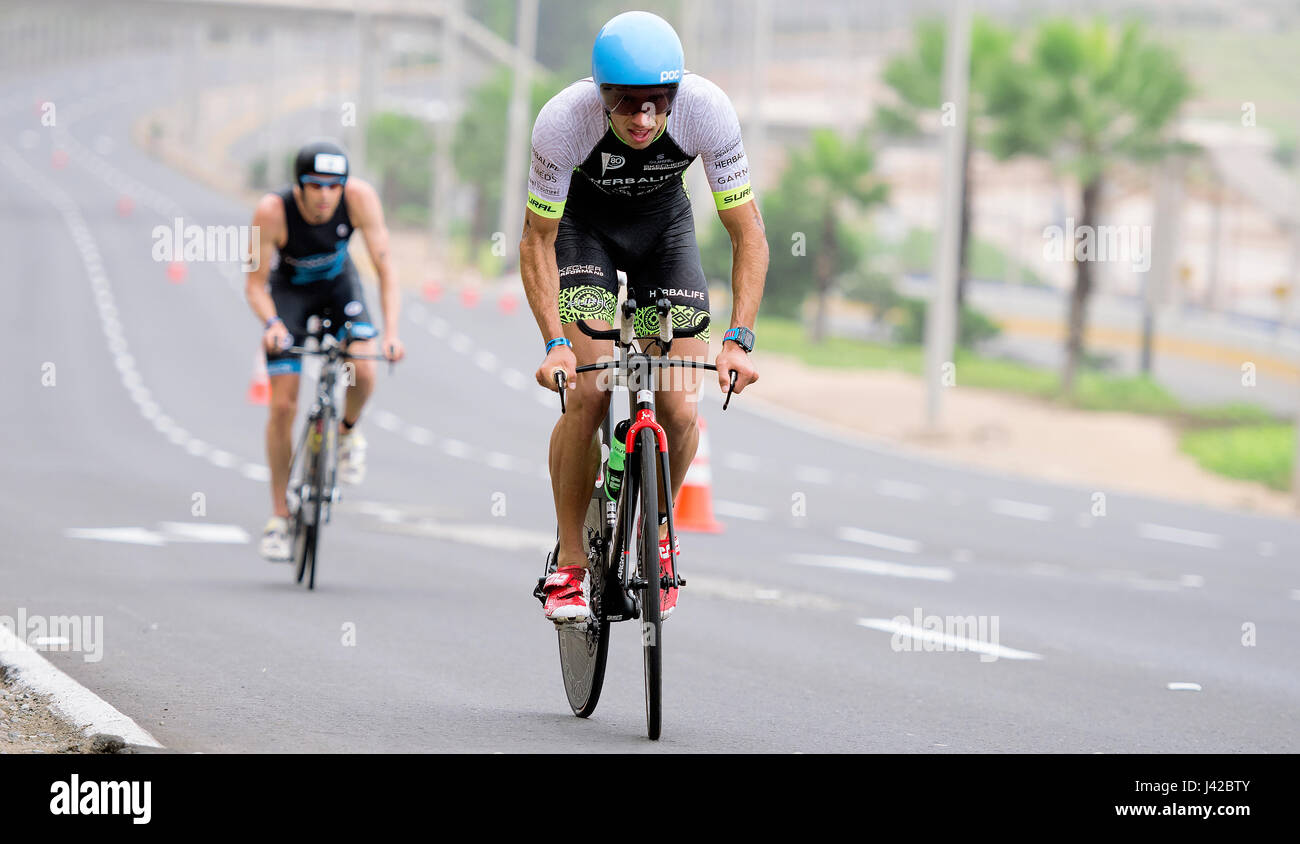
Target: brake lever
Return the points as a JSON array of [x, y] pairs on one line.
[[560, 379], [729, 389]]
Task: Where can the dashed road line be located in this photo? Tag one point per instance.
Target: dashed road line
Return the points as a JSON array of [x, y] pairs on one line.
[[1182, 536], [878, 540], [1021, 509], [879, 567], [946, 641]]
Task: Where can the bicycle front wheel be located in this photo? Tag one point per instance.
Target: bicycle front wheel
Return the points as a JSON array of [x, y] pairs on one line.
[[648, 571]]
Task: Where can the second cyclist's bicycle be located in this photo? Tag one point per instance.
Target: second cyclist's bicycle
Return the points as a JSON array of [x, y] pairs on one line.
[[313, 470]]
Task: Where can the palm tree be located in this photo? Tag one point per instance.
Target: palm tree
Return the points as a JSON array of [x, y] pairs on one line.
[[1084, 100], [831, 177], [917, 79]]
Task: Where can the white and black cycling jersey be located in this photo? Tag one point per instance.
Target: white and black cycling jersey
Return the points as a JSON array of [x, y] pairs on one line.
[[577, 157]]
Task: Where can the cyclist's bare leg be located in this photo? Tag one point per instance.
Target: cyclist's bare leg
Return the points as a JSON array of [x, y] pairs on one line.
[[575, 451], [279, 438], [676, 406], [363, 380]]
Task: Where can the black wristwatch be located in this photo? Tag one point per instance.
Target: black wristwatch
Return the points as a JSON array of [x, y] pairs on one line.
[[743, 337]]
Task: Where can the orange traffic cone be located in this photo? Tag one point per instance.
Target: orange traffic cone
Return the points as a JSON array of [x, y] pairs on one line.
[[259, 388], [693, 509]]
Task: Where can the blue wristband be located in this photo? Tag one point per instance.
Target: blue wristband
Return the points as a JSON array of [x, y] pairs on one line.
[[272, 321], [558, 341]]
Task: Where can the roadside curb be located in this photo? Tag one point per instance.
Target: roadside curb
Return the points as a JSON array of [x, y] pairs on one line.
[[71, 701]]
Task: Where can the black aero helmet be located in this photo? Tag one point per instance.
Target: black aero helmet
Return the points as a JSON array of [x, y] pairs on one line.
[[323, 158]]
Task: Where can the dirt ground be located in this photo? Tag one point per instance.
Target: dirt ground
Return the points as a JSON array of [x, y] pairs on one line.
[[28, 726], [1013, 434]]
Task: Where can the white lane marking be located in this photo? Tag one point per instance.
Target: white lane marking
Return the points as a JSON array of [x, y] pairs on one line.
[[132, 535], [1295, 594], [460, 343], [736, 510], [812, 475], [438, 326], [740, 462], [491, 536], [1184, 687], [455, 448], [1180, 535], [221, 459], [497, 460], [1021, 509], [736, 590], [899, 489], [486, 361], [1267, 549], [386, 420], [255, 472], [1192, 580], [73, 701], [200, 532], [947, 640], [878, 540], [514, 379], [880, 567], [418, 435]]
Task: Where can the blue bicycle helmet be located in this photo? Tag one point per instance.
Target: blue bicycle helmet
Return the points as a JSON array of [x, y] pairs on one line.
[[636, 50]]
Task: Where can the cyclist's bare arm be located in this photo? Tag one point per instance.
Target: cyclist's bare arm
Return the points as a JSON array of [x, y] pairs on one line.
[[268, 221], [541, 277], [748, 273], [367, 214]]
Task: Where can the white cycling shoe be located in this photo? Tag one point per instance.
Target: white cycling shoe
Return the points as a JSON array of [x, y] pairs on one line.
[[275, 540], [352, 457]]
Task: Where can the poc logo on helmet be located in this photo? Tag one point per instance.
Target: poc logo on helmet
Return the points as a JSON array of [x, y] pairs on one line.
[[670, 76]]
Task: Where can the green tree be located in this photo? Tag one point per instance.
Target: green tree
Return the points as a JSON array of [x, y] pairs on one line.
[[917, 79], [399, 150], [479, 149], [1086, 98], [824, 186]]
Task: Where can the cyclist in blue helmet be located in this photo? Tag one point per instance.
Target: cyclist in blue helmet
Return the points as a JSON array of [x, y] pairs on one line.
[[606, 193]]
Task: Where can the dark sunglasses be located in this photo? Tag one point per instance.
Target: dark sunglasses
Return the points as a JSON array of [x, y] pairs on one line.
[[627, 101]]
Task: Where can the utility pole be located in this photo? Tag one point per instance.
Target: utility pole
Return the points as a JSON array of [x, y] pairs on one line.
[[941, 318], [512, 192], [1159, 275], [444, 129]]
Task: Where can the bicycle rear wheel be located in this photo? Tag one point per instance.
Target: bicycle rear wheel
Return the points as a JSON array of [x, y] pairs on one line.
[[648, 571], [584, 649]]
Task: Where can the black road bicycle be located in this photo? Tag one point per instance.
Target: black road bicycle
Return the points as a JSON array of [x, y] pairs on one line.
[[613, 528], [313, 489]]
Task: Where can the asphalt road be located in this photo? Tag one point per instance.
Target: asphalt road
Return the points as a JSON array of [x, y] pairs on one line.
[[781, 641]]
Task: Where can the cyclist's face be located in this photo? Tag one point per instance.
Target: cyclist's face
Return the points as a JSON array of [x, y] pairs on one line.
[[321, 200], [640, 128]]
